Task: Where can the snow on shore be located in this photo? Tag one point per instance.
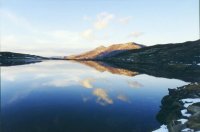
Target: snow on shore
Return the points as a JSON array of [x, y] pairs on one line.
[[162, 128], [187, 102]]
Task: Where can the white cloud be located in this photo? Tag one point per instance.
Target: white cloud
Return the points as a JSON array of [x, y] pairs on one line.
[[103, 19], [125, 20], [88, 34], [135, 34]]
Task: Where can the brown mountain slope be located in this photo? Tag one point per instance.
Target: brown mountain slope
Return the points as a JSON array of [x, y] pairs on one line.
[[105, 51]]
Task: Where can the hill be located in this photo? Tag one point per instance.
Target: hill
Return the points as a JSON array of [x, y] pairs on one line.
[[181, 53], [102, 52], [10, 58]]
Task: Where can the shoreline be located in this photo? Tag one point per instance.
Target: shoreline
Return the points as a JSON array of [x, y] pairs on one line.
[[180, 110]]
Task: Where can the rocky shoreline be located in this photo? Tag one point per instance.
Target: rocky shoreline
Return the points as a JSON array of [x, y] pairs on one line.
[[180, 110]]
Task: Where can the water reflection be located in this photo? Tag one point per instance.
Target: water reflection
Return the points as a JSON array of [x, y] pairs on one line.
[[14, 62], [103, 66], [87, 82], [103, 97], [123, 98], [66, 96], [134, 84]]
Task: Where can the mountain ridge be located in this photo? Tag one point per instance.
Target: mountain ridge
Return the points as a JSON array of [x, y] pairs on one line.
[[187, 53], [103, 51]]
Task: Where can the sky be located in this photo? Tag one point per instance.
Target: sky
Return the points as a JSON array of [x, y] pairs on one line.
[[63, 27]]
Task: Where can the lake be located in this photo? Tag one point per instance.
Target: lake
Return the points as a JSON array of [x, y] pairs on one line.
[[67, 96]]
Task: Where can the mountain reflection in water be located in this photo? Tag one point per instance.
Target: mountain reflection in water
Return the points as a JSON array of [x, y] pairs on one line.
[[103, 66]]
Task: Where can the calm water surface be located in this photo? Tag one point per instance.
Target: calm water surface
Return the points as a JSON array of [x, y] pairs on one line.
[[64, 96]]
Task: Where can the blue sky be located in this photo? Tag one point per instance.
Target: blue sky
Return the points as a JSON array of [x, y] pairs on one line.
[[62, 27]]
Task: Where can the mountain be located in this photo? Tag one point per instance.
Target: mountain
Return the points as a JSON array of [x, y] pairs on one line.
[[10, 58], [101, 52], [181, 53], [179, 60]]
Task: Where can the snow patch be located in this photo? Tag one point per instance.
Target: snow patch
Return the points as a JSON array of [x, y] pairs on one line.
[[187, 130], [187, 102], [183, 121], [162, 128], [190, 101], [184, 113]]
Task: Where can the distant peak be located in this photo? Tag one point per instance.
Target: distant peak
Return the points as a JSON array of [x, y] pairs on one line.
[[101, 47], [103, 51], [133, 43], [130, 43]]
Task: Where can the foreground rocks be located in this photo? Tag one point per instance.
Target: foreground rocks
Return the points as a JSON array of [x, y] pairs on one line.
[[194, 120], [180, 110]]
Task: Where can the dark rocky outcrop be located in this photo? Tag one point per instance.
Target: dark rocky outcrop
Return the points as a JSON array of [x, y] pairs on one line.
[[11, 59], [171, 108]]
